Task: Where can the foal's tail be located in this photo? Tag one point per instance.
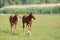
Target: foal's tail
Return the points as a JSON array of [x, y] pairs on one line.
[[23, 23], [10, 23]]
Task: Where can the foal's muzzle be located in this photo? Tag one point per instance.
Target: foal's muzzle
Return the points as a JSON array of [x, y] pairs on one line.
[[34, 18]]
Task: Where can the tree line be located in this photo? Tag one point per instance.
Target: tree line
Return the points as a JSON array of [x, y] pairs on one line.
[[44, 10], [17, 2]]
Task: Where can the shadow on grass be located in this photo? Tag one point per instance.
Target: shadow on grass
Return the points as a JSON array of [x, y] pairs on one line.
[[15, 34], [6, 32], [9, 32], [27, 34], [12, 33]]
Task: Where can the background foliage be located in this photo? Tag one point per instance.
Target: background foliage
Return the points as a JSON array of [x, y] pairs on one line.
[[44, 10], [17, 2]]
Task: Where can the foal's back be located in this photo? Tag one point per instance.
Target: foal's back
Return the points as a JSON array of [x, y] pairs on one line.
[[25, 18], [12, 19]]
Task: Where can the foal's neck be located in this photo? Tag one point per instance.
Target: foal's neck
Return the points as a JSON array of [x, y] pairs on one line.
[[29, 17], [15, 17]]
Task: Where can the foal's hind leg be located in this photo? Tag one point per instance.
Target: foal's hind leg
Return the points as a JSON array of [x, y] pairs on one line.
[[14, 28], [23, 27], [11, 26]]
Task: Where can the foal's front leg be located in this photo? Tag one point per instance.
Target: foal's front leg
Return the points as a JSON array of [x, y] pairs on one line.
[[29, 29]]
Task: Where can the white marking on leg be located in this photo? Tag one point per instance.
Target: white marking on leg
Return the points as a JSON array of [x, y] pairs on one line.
[[30, 33], [14, 29]]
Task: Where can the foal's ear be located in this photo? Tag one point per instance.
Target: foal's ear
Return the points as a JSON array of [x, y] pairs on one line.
[[32, 12]]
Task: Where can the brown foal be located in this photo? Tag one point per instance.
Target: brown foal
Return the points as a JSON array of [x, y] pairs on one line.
[[13, 21], [28, 20]]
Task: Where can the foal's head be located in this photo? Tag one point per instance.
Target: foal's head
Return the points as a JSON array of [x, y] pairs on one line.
[[32, 15], [17, 15]]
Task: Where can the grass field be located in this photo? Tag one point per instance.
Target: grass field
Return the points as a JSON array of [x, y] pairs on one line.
[[45, 27]]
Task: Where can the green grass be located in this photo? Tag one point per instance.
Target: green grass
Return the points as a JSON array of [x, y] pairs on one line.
[[45, 27]]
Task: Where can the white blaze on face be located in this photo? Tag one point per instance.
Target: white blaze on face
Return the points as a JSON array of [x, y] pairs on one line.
[[18, 18], [33, 14]]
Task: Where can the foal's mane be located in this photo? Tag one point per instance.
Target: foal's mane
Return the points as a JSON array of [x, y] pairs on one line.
[[31, 13]]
